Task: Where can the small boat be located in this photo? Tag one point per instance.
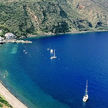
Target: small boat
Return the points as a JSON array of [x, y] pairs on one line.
[[25, 52], [85, 97], [54, 56]]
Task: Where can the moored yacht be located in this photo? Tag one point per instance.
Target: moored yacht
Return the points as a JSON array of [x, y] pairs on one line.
[[85, 97], [54, 56]]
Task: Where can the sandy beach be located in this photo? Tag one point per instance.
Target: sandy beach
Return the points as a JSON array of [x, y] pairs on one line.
[[10, 98]]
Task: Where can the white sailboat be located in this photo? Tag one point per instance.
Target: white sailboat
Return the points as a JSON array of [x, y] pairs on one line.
[[85, 97], [54, 56]]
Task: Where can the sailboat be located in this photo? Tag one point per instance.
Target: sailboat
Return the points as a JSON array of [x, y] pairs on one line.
[[85, 97], [54, 56]]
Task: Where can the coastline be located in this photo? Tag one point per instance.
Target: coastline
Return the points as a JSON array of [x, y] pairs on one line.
[[10, 98], [14, 41], [59, 34]]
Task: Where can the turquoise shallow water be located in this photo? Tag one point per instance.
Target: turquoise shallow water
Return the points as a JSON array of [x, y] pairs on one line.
[[27, 71]]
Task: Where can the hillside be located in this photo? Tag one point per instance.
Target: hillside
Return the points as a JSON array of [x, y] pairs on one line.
[[36, 17]]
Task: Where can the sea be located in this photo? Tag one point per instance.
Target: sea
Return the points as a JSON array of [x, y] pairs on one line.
[[40, 82]]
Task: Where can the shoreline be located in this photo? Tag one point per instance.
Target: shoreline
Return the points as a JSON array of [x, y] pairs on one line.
[[10, 98], [15, 41], [59, 34]]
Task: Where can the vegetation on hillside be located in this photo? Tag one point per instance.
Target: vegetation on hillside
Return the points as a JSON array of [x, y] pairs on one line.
[[4, 103], [23, 17]]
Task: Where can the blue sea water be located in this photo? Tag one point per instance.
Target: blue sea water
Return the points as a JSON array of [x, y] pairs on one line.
[[39, 82]]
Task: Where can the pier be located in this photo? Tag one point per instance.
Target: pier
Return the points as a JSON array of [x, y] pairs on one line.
[[15, 41]]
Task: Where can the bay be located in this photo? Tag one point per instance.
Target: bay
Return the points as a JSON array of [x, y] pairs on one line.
[[39, 82]]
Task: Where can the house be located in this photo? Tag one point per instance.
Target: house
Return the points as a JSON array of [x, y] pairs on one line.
[[10, 36]]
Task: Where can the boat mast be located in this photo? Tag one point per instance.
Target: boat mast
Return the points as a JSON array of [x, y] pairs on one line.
[[86, 91]]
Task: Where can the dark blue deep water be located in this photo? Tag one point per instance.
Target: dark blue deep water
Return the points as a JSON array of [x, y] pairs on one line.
[[60, 83]]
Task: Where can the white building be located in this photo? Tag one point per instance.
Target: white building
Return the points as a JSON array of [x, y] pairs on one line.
[[10, 36]]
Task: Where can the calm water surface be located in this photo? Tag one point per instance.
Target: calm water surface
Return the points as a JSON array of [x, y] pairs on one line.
[[27, 71]]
